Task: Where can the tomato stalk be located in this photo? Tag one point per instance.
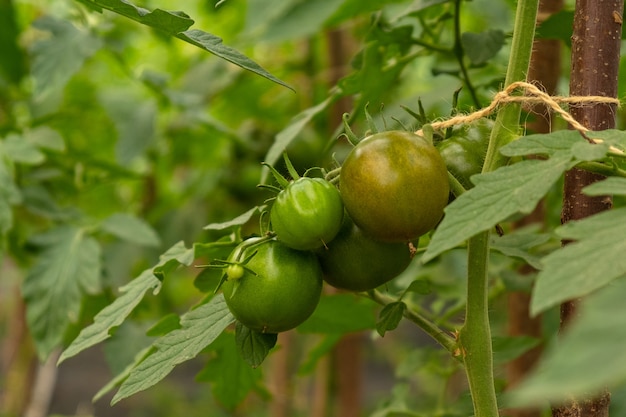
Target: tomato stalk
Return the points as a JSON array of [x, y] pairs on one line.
[[475, 335]]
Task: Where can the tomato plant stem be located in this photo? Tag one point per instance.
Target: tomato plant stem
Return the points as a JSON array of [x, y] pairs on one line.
[[475, 335], [507, 127]]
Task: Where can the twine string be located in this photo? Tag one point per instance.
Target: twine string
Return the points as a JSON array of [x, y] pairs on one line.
[[533, 95]]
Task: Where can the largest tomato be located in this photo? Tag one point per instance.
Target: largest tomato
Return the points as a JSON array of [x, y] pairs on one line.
[[279, 289], [394, 185]]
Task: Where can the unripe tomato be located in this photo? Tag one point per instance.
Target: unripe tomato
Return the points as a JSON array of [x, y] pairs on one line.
[[464, 152], [282, 292], [356, 262], [395, 186], [307, 214]]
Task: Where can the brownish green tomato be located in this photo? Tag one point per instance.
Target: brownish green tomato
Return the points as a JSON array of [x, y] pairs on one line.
[[354, 261], [395, 186]]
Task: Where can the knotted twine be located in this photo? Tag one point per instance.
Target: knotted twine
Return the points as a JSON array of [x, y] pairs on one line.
[[532, 95]]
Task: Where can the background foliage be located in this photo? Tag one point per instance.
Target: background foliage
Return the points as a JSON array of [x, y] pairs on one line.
[[129, 133]]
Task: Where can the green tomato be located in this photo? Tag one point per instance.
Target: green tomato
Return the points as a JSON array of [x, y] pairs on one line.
[[279, 289], [394, 186], [354, 261], [464, 152], [307, 214]]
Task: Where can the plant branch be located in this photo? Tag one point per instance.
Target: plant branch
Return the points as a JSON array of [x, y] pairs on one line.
[[441, 336], [459, 53]]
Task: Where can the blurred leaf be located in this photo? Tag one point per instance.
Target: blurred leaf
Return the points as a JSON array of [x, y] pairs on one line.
[[230, 376], [176, 23], [518, 243], [113, 315], [68, 267], [341, 313], [166, 324], [319, 351], [588, 357], [237, 221], [492, 201], [420, 286], [45, 137], [57, 58], [12, 62], [577, 269], [131, 228], [390, 317], [254, 346], [293, 129], [481, 47], [199, 328], [609, 186], [557, 26], [134, 119], [9, 195], [303, 18], [124, 344], [17, 149], [506, 349]]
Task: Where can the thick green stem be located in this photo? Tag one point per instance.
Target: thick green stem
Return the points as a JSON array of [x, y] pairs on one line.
[[475, 335], [507, 126]]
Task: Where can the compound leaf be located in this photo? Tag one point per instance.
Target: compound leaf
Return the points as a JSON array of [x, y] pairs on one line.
[[498, 195], [68, 266], [254, 346], [199, 328], [577, 269], [131, 228]]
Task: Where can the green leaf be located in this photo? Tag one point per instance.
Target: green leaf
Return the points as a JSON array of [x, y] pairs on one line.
[[611, 185], [57, 57], [543, 143], [341, 313], [588, 357], [199, 328], [481, 47], [237, 221], [505, 349], [498, 195], [113, 315], [518, 243], [326, 344], [131, 228], [45, 137], [584, 266], [135, 122], [177, 24], [293, 129], [557, 26], [175, 256], [68, 267], [253, 346], [420, 286], [230, 376], [390, 317], [12, 62], [165, 325], [9, 195], [118, 379], [17, 149]]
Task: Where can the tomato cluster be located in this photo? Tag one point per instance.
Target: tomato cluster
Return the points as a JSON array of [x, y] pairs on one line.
[[393, 187]]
